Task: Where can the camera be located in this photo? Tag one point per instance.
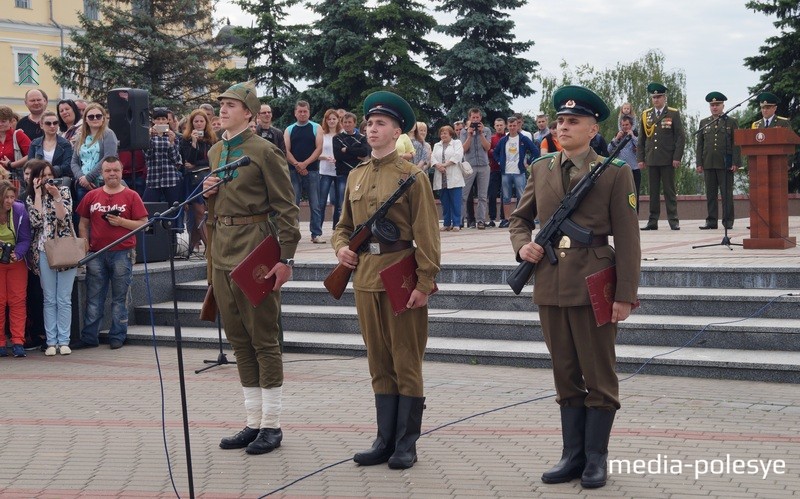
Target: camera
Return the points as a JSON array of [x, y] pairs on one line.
[[115, 213], [6, 250], [162, 129], [55, 181], [475, 125]]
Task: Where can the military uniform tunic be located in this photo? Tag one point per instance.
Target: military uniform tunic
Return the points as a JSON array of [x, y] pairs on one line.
[[583, 354], [776, 120], [661, 141], [261, 190], [395, 344], [716, 153]]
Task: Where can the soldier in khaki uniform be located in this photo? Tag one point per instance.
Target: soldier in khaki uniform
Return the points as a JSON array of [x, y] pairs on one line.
[[718, 159], [583, 354], [769, 104], [395, 344], [660, 149], [258, 201]]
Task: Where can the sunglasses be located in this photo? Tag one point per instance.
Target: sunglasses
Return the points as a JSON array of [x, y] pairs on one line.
[[50, 123], [93, 117]]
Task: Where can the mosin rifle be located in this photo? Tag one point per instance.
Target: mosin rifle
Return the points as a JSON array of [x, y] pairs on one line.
[[560, 223]]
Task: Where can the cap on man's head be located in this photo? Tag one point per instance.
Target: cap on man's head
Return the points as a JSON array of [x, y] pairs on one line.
[[392, 105], [655, 89], [767, 99], [579, 101], [160, 112], [246, 93], [713, 97]]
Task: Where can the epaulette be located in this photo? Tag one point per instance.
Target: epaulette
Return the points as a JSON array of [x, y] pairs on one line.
[[549, 156], [755, 124], [782, 117], [615, 161], [672, 109], [361, 164], [647, 110]]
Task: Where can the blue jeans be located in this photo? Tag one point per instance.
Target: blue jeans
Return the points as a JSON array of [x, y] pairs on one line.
[[339, 182], [57, 290], [451, 206], [114, 268], [517, 181], [310, 183]]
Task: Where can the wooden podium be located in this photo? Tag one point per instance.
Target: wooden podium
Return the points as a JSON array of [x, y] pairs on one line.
[[767, 151]]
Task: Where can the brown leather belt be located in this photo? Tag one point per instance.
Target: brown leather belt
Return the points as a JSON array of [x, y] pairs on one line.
[[378, 248], [597, 241], [251, 219]]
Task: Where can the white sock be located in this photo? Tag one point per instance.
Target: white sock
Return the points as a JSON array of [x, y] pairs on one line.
[[252, 405], [271, 407]]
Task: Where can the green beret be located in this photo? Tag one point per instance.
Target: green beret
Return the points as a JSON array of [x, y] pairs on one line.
[[656, 88], [392, 105], [246, 93], [579, 101], [767, 99], [716, 97]]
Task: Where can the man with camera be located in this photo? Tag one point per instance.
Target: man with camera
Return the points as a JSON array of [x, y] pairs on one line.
[[266, 130], [477, 141], [107, 214]]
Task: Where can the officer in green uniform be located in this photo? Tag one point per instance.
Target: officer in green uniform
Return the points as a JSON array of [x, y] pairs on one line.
[[395, 344], [257, 201], [583, 353], [660, 149], [769, 104], [718, 159]]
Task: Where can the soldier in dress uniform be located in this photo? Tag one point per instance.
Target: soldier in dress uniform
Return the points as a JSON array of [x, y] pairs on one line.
[[769, 104], [718, 159], [660, 149], [395, 344], [258, 201], [583, 353]]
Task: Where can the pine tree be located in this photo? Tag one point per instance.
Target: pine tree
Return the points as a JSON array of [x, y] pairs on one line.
[[162, 46], [779, 59], [484, 67]]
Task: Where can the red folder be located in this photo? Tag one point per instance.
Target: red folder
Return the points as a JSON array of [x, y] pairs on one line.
[[399, 280], [250, 274], [602, 289]]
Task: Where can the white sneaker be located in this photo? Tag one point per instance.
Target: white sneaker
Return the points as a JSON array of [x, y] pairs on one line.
[[50, 351], [64, 350]]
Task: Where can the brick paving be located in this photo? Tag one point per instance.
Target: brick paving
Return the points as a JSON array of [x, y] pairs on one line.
[[89, 425]]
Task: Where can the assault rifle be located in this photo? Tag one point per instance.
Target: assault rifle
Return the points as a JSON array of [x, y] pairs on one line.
[[336, 282], [560, 223]]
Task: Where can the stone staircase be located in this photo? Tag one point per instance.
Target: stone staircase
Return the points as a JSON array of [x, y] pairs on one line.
[[734, 322]]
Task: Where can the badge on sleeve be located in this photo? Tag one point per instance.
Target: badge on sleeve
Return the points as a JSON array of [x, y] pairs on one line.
[[632, 200]]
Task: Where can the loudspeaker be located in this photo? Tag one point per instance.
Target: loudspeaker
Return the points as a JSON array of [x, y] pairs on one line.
[[129, 113], [155, 239]]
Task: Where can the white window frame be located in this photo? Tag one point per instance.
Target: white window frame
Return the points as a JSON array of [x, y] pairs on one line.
[[23, 51]]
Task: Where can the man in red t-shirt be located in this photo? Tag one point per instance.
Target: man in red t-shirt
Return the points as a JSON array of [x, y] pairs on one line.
[[108, 213]]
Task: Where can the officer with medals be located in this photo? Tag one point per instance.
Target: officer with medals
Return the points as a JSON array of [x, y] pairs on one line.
[[583, 354], [718, 159], [768, 102], [395, 344], [660, 149]]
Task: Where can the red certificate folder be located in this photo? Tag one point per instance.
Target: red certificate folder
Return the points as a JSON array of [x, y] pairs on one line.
[[602, 289], [250, 274], [399, 280]]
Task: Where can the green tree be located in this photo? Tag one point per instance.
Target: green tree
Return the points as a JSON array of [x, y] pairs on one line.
[[779, 60], [484, 67], [162, 46]]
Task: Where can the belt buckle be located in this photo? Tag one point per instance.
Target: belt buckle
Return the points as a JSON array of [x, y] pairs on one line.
[[565, 242], [374, 248], [227, 220]]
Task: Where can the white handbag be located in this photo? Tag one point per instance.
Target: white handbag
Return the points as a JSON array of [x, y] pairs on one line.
[[466, 168]]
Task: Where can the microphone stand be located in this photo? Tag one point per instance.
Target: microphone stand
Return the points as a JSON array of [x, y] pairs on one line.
[[170, 213], [222, 359]]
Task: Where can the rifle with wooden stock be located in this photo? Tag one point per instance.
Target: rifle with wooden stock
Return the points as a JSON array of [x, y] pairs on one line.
[[336, 282], [560, 223]]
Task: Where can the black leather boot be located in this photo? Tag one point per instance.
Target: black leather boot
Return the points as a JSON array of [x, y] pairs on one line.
[[383, 446], [573, 458], [408, 429], [598, 431], [268, 440], [240, 440]]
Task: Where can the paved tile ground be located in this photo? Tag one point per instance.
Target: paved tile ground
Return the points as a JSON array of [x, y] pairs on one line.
[[89, 425]]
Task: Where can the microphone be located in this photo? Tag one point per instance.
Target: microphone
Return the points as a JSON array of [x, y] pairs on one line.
[[243, 161]]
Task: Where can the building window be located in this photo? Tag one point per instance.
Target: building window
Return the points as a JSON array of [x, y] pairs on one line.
[[23, 4], [90, 9], [25, 60]]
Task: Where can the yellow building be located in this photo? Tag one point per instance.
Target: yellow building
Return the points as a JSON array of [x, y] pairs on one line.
[[29, 29]]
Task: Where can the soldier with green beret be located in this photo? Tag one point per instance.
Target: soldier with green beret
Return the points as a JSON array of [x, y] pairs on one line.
[[583, 353], [660, 149], [718, 159], [395, 344], [257, 201], [768, 102]]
